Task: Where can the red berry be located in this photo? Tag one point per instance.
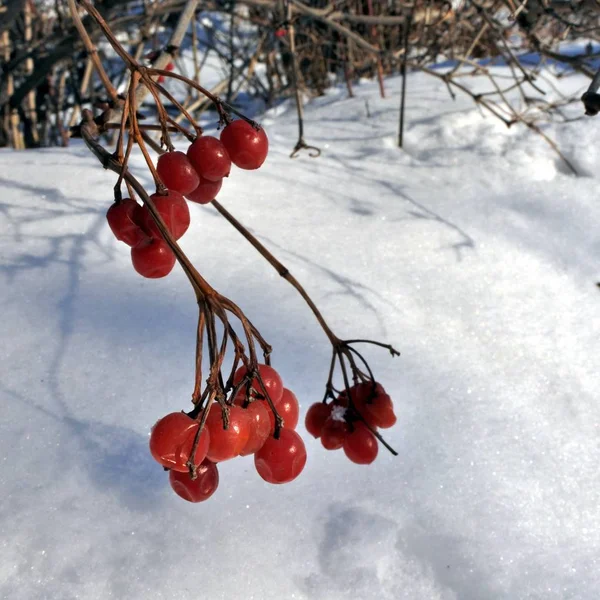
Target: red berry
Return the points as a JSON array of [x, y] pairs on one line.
[[123, 221], [282, 460], [247, 146], [176, 172], [334, 433], [260, 427], [172, 439], [206, 191], [360, 446], [289, 409], [199, 489], [227, 443], [152, 259], [270, 378], [375, 406], [316, 416], [379, 412], [174, 212], [210, 158]]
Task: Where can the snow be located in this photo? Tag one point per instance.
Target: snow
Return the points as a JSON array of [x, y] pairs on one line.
[[473, 251]]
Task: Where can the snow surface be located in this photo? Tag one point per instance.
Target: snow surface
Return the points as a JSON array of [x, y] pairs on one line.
[[473, 251]]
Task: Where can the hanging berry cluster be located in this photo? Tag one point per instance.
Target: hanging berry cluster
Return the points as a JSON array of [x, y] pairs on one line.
[[341, 424], [197, 176], [240, 407], [244, 426]]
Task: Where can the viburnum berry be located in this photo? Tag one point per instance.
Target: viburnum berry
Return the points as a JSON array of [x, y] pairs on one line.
[[379, 411], [260, 427], [174, 212], [205, 192], [210, 158], [289, 409], [199, 489], [315, 418], [153, 259], [281, 460], [373, 404], [123, 220], [172, 440], [227, 443], [177, 173], [247, 147], [270, 378], [360, 445], [334, 433]]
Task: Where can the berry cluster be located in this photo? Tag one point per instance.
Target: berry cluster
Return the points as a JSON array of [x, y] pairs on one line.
[[241, 427], [197, 175], [341, 423]]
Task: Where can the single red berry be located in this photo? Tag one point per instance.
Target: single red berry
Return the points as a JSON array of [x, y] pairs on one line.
[[315, 418], [199, 489], [174, 212], [282, 460], [227, 443], [379, 412], [247, 146], [210, 158], [152, 259], [206, 191], [123, 221], [260, 427], [176, 172], [375, 406], [334, 433], [361, 446], [289, 409], [270, 378], [172, 440]]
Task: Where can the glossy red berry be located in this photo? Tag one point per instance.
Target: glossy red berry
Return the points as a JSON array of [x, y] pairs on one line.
[[227, 443], [199, 489], [210, 158], [152, 259], [206, 191], [289, 409], [361, 446], [174, 212], [282, 460], [334, 433], [315, 418], [260, 427], [375, 406], [176, 172], [379, 412], [247, 146], [123, 221], [172, 440]]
